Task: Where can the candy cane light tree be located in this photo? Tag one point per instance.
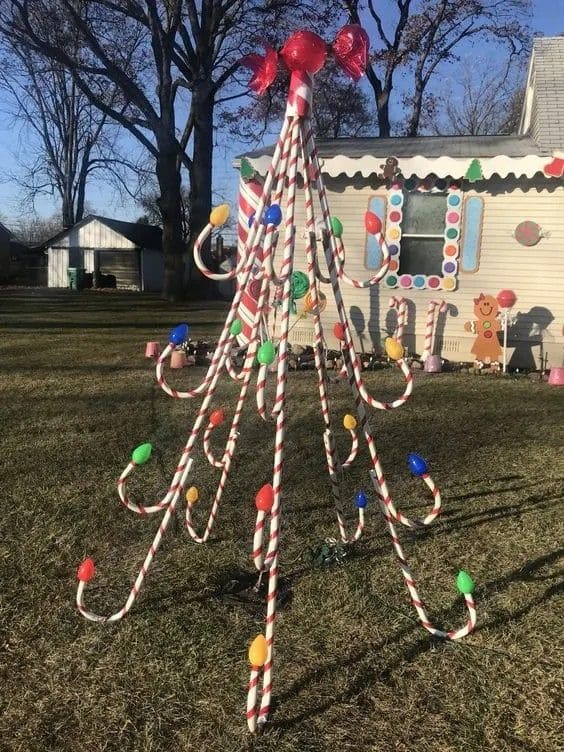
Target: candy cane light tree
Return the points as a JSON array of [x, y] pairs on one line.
[[266, 267]]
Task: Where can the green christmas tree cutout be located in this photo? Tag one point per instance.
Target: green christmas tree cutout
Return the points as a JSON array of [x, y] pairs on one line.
[[474, 171], [248, 172]]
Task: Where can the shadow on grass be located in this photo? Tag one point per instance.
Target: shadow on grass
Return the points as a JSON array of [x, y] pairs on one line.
[[369, 675]]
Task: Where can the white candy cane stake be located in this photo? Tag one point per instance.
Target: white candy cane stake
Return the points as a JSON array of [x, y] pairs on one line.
[[442, 306]]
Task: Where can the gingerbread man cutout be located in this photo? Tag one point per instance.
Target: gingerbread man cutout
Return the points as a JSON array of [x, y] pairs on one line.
[[486, 347], [390, 170]]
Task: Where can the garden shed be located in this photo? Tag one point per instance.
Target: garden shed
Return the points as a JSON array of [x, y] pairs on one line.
[[463, 216], [112, 253]]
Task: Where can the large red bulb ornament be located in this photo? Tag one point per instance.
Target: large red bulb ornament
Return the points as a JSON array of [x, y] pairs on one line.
[[304, 51], [217, 418], [86, 570]]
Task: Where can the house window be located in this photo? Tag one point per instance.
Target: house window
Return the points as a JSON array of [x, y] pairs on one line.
[[422, 233], [423, 229]]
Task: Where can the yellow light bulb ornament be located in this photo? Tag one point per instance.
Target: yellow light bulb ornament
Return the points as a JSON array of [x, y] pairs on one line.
[[394, 349], [258, 651], [219, 215], [192, 495], [349, 422]]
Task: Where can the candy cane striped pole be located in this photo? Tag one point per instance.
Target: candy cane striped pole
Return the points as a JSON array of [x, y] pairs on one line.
[[442, 306], [400, 305]]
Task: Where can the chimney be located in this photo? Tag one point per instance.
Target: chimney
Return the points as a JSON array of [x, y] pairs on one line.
[[542, 117]]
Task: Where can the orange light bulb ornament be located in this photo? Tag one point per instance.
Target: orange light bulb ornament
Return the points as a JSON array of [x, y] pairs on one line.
[[258, 651], [394, 349], [217, 418]]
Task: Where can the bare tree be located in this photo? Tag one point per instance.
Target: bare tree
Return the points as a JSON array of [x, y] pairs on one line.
[[489, 102], [71, 139], [427, 33]]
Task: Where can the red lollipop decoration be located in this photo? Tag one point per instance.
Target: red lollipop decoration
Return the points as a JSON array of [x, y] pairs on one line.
[[506, 298], [217, 418], [304, 51], [86, 570], [351, 50], [265, 498], [373, 223]]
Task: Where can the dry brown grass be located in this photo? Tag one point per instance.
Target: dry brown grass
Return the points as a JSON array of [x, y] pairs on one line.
[[354, 671]]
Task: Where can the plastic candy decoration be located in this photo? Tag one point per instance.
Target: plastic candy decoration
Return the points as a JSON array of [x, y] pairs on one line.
[[178, 335], [265, 498], [258, 651], [217, 418], [266, 353], [264, 69], [339, 331], [528, 233], [86, 570], [142, 454], [350, 49], [506, 298], [474, 171], [360, 500], [192, 495], [373, 223], [265, 265], [273, 215], [394, 349], [337, 227], [236, 328], [304, 51], [219, 215], [464, 583], [417, 464], [311, 304]]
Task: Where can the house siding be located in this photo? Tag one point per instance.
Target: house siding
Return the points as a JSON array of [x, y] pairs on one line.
[[536, 274]]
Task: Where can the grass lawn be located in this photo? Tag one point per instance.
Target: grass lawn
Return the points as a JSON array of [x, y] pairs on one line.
[[354, 671]]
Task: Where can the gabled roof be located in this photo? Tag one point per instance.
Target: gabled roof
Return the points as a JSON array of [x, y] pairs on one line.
[[141, 235], [543, 109]]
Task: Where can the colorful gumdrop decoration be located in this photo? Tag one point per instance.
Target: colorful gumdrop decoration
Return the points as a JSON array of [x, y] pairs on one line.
[[265, 273]]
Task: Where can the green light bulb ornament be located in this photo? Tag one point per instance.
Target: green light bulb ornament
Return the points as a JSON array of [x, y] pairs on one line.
[[464, 583], [266, 353], [236, 328], [337, 227], [142, 453]]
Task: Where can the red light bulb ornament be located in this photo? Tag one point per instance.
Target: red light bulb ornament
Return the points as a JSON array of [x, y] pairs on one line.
[[304, 51], [86, 570], [265, 498], [217, 418], [339, 331], [373, 223]]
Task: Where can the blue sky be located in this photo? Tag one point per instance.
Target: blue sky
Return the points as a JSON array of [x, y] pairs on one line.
[[548, 19]]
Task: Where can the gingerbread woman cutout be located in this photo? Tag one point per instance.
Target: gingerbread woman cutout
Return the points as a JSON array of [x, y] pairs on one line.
[[486, 347], [390, 170]]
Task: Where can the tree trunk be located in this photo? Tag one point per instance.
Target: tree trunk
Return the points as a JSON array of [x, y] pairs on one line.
[[170, 205], [417, 99], [383, 106], [201, 181]]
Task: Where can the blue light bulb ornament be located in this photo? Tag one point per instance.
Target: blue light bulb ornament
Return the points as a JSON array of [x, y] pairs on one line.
[[417, 464], [360, 499], [273, 215], [178, 335]]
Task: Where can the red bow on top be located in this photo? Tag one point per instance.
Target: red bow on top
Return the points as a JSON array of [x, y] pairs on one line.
[[306, 51]]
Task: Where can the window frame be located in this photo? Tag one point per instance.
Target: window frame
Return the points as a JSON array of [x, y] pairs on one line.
[[447, 280]]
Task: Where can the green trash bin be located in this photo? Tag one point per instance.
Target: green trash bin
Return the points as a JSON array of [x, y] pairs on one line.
[[75, 278], [72, 277]]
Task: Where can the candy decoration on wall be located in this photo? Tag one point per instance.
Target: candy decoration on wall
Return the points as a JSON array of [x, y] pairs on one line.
[[528, 233], [486, 347], [266, 261], [474, 171], [555, 168]]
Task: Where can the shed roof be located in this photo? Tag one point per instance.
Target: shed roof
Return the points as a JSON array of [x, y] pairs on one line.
[[141, 235]]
